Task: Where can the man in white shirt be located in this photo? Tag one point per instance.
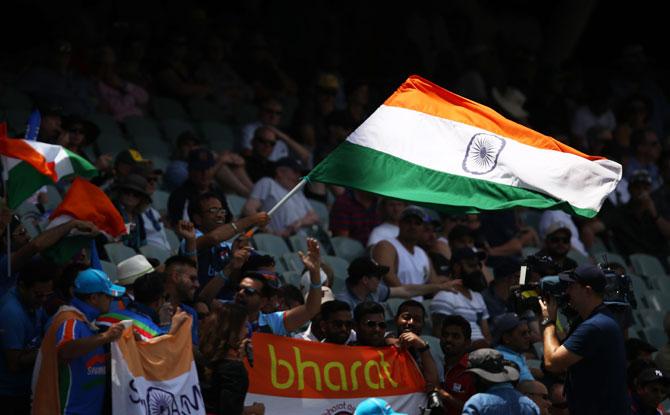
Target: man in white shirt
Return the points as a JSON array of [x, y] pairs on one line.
[[408, 264], [391, 210], [293, 215]]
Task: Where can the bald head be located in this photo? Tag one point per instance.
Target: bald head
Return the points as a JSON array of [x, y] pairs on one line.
[[538, 393]]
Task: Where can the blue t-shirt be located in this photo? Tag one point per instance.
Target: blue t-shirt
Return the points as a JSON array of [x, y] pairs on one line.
[[81, 380], [20, 329], [272, 323], [500, 399], [195, 338], [512, 356], [6, 281], [597, 383], [211, 262]]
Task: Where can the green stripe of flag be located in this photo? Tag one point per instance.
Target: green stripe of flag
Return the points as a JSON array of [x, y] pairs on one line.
[[366, 169]]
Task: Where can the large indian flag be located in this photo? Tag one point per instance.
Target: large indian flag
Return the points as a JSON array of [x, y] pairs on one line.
[[428, 145], [29, 165]]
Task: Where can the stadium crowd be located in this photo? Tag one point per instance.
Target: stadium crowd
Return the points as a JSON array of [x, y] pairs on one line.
[[201, 119]]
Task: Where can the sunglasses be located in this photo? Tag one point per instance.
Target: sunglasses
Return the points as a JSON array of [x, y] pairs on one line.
[[376, 324], [248, 291], [268, 142], [557, 239], [342, 323], [77, 130], [132, 193]]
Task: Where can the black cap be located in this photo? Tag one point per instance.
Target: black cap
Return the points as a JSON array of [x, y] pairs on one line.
[[505, 267], [635, 346], [365, 266], [504, 323], [491, 366], [413, 211], [134, 182], [294, 164], [586, 274], [652, 375], [129, 156], [200, 159], [466, 253], [91, 131], [640, 176]]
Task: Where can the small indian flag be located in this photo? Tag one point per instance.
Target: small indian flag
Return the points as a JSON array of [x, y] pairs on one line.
[[29, 165], [430, 146]]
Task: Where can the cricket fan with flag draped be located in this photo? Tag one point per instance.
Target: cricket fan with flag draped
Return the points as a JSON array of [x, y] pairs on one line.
[[428, 145]]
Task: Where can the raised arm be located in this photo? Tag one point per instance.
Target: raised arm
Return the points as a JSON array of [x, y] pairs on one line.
[[298, 316]]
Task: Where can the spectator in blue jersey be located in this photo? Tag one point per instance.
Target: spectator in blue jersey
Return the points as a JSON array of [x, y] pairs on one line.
[[213, 248], [181, 284], [81, 356], [150, 313], [512, 336], [21, 333], [256, 289]]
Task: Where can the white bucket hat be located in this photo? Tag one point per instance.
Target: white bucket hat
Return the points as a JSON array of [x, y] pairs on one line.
[[131, 269]]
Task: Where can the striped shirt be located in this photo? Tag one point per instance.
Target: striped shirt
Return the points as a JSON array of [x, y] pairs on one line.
[[473, 310]]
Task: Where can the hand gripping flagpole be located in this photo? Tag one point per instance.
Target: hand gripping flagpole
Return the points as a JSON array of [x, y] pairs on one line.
[[283, 200]]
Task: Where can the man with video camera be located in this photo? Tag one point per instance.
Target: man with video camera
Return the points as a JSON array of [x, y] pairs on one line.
[[593, 353]]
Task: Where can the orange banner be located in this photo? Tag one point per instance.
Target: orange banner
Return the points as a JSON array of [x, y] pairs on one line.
[[293, 368]]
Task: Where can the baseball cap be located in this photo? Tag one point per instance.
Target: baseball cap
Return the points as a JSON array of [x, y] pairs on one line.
[[200, 159], [635, 346], [490, 365], [640, 176], [466, 253], [414, 211], [504, 323], [129, 156], [506, 266], [92, 281], [131, 269], [375, 406], [652, 375], [296, 165], [586, 274], [366, 266]]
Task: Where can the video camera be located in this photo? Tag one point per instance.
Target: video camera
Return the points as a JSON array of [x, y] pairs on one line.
[[524, 297]]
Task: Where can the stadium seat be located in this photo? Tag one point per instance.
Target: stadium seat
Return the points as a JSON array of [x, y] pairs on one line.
[[272, 244], [163, 107], [154, 251], [15, 99], [117, 252], [204, 110], [173, 240], [298, 243], [235, 203], [646, 265], [174, 127], [109, 269], [106, 123], [147, 137], [529, 250], [611, 258], [340, 272], [391, 306], [220, 136], [435, 348], [322, 210], [656, 336], [347, 248], [109, 143], [292, 262], [578, 257], [652, 319], [639, 287], [160, 200], [292, 278], [658, 300]]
